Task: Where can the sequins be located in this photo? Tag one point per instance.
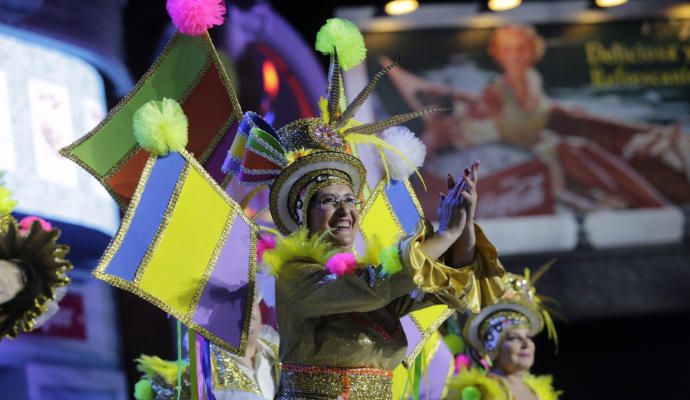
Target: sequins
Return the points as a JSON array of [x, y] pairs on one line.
[[327, 137], [312, 381], [228, 376]]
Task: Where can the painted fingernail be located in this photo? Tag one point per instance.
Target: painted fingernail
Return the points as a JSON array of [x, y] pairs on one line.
[[467, 171]]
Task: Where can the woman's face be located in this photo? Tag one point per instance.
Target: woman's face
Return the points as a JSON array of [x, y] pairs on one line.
[[516, 353], [341, 222], [513, 50]]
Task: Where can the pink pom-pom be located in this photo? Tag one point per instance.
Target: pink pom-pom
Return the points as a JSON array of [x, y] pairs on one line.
[[462, 362], [194, 17], [341, 264], [265, 242], [26, 222]]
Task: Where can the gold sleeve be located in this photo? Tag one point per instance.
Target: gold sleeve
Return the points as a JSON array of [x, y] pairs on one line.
[[473, 286]]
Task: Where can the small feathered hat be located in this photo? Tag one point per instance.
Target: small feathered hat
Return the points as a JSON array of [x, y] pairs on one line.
[[519, 307], [308, 154]]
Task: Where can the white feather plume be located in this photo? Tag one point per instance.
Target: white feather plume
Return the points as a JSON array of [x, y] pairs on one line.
[[409, 145]]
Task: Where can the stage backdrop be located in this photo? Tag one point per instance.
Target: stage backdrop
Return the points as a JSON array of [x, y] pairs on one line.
[[582, 129]]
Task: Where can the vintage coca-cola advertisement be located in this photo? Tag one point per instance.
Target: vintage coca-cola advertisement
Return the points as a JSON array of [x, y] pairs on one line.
[[565, 117]]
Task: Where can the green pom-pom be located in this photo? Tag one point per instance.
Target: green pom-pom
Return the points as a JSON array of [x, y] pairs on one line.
[[390, 260], [454, 343], [161, 126], [143, 390], [343, 36], [471, 393]]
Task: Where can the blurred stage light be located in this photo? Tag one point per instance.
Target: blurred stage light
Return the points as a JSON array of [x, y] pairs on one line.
[[609, 3], [502, 5], [400, 7]]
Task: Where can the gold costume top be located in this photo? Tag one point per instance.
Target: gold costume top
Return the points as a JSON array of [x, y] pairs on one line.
[[353, 321]]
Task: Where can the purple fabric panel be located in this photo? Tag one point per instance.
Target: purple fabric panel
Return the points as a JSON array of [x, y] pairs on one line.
[[432, 387], [222, 305], [412, 333], [214, 163]]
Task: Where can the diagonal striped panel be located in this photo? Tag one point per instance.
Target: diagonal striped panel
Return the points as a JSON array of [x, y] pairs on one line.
[[403, 203], [197, 260], [189, 71], [392, 211], [187, 246], [378, 219], [161, 180]]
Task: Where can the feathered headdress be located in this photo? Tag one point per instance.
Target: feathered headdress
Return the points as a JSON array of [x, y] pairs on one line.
[[305, 155]]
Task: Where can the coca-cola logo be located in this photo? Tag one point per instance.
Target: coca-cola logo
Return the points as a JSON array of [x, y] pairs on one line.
[[523, 194], [524, 189]]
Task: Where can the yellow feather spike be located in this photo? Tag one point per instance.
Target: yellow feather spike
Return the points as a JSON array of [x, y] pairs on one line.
[[297, 154], [323, 108], [270, 230], [245, 202]]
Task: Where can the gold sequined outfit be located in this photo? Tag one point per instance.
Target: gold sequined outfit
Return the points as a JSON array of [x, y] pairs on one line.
[[329, 324]]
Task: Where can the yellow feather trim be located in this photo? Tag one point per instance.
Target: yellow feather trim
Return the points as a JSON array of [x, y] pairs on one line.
[[298, 244], [543, 386], [490, 388], [323, 108], [154, 365], [316, 247], [297, 154]]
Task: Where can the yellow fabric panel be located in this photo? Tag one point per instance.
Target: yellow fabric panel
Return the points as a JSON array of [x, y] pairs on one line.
[[380, 221], [400, 382], [427, 316], [186, 247]]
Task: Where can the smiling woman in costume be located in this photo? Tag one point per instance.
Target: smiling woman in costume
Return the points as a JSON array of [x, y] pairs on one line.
[[338, 313], [502, 335]]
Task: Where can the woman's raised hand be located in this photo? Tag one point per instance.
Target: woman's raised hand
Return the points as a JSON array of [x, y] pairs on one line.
[[457, 208]]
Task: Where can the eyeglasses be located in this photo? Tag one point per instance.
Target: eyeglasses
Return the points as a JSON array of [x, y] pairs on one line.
[[331, 203]]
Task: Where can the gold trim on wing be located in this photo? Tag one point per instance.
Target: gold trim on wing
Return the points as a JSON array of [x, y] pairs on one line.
[[426, 335], [132, 286]]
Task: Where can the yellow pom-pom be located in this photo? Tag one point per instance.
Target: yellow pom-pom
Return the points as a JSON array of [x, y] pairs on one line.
[[161, 126], [343, 36]]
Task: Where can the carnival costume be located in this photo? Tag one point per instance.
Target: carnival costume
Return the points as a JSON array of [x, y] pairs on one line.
[[232, 377], [519, 307], [32, 270], [338, 312]]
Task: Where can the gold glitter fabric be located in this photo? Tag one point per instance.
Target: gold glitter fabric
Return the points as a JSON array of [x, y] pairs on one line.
[[227, 375], [299, 382]]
